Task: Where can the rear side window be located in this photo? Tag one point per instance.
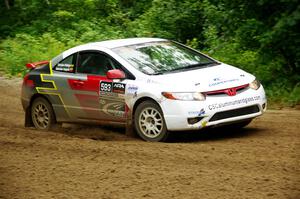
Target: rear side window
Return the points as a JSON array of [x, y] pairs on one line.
[[66, 65], [95, 63]]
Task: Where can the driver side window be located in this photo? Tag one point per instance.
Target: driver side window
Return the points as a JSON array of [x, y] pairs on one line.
[[95, 63], [66, 65]]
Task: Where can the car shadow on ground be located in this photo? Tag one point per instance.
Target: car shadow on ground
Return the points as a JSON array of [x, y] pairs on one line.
[[95, 132], [113, 133], [213, 134]]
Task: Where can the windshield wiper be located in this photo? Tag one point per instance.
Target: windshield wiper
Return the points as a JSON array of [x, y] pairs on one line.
[[195, 66], [160, 72], [186, 67]]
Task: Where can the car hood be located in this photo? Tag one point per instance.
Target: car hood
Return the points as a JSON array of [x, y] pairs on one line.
[[204, 79]]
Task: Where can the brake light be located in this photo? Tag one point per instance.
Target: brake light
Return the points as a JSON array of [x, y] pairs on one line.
[[28, 82]]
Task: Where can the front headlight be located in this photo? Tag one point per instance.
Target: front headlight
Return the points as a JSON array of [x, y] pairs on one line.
[[255, 84], [191, 96]]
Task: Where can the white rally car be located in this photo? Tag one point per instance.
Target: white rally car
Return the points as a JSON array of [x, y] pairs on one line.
[[155, 85]]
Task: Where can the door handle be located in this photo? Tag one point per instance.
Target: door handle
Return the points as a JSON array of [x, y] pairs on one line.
[[78, 83]]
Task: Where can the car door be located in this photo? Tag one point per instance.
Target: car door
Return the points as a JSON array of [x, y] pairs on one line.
[[95, 97], [65, 108]]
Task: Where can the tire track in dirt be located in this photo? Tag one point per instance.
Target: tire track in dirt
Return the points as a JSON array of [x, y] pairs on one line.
[[78, 161]]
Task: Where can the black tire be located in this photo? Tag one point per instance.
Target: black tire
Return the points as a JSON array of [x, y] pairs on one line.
[[42, 114], [149, 122]]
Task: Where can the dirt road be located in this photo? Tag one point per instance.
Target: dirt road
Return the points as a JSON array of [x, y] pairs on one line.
[[261, 161]]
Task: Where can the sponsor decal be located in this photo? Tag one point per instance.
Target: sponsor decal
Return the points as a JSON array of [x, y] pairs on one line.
[[198, 113], [203, 124], [111, 107], [202, 112], [132, 90], [113, 87], [218, 81], [231, 103], [65, 67], [112, 95], [193, 112], [102, 101], [118, 88], [150, 81], [109, 94]]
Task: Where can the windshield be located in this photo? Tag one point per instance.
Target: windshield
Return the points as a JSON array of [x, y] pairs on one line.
[[162, 57]]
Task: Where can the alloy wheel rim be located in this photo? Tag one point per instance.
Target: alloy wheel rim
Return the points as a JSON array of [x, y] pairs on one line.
[[41, 116], [151, 122]]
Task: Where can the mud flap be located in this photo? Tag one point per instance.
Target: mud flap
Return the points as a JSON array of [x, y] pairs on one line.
[[129, 131], [28, 120]]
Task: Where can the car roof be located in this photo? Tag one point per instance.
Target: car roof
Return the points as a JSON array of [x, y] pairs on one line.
[[123, 42], [109, 44]]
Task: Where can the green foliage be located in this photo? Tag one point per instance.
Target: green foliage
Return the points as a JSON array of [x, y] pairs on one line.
[[15, 52], [261, 37], [179, 20]]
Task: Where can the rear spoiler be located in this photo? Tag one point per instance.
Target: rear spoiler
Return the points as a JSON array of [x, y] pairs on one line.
[[35, 64]]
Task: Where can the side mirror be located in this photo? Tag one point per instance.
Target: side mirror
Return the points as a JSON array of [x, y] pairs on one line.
[[115, 74]]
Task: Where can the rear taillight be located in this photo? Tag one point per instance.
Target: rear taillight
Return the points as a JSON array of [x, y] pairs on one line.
[[28, 82]]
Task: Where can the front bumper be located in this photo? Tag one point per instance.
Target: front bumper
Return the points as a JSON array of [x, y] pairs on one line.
[[215, 110]]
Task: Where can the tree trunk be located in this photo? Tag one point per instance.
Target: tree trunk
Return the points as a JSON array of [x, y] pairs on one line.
[[7, 4]]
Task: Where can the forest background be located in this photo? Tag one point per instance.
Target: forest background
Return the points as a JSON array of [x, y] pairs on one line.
[[260, 36]]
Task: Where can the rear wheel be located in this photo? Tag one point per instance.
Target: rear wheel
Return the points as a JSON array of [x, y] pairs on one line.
[[42, 114], [149, 122]]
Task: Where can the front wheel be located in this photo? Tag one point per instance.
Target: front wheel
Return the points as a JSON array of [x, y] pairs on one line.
[[42, 114], [149, 122]]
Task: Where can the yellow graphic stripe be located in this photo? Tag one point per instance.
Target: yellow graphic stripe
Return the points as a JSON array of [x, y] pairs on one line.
[[46, 90]]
